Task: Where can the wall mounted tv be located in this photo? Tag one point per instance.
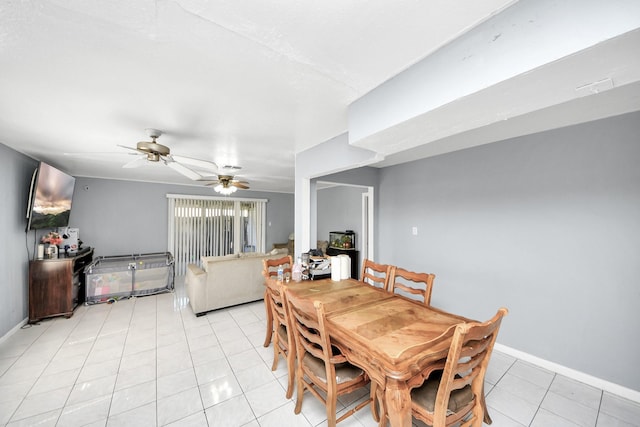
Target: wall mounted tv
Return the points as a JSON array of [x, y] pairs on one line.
[[50, 198]]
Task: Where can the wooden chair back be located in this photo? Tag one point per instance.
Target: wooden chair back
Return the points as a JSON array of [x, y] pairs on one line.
[[456, 394], [283, 344], [375, 274], [408, 284], [270, 269], [276, 299], [270, 266], [307, 320]]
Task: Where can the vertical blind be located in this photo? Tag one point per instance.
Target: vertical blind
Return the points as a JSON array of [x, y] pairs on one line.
[[212, 226]]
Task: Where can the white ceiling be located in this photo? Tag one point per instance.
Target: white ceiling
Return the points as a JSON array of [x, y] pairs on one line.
[[233, 82]]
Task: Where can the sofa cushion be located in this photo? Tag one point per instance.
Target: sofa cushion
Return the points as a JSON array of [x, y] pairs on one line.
[[225, 281]]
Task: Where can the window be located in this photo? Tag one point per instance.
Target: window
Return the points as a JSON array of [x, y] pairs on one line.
[[213, 226]]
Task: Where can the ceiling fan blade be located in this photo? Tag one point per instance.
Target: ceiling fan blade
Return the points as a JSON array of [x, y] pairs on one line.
[[182, 169], [104, 156], [199, 163], [137, 162], [240, 185], [209, 178], [130, 148], [212, 183]]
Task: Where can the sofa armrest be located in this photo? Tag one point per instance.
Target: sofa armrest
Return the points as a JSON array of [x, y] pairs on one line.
[[196, 286]]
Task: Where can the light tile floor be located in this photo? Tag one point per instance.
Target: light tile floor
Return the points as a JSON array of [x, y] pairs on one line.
[[150, 362]]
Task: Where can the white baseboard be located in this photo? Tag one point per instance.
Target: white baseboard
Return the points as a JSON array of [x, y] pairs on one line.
[[608, 386], [14, 330]]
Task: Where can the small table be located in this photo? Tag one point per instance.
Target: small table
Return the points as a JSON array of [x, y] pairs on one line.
[[391, 338]]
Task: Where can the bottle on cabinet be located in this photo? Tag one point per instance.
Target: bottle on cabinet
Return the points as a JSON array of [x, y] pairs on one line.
[[296, 271]]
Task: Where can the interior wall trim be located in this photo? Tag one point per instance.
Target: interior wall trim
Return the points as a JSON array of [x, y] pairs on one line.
[[617, 389], [13, 330]]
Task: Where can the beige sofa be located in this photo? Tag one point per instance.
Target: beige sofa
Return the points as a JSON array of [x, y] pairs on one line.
[[227, 280]]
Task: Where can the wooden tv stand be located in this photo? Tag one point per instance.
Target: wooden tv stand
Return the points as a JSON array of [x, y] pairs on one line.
[[56, 285]]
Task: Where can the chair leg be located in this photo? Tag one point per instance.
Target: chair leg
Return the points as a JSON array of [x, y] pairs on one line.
[[331, 411], [291, 369], [299, 396], [373, 396], [276, 357], [377, 396], [267, 306], [486, 418]]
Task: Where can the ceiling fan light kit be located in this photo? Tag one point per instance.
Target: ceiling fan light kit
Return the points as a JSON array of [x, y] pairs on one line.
[[220, 188], [226, 185]]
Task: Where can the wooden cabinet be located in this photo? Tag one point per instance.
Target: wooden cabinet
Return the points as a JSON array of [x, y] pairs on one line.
[[56, 286]]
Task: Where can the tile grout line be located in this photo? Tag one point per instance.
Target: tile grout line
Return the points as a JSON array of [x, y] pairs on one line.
[[57, 332], [193, 367], [255, 416], [48, 364], [546, 392], [10, 419], [599, 406]]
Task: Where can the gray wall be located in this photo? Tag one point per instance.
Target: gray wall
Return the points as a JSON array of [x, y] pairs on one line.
[[330, 157], [125, 217], [114, 217], [547, 225], [17, 248], [339, 209], [362, 176]]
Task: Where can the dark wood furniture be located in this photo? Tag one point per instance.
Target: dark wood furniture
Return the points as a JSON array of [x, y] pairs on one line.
[[56, 285]]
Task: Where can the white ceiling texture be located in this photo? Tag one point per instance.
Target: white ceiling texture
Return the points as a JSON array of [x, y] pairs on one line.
[[251, 83]]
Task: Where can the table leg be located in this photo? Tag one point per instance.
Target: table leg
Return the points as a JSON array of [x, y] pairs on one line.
[[267, 306], [398, 403]]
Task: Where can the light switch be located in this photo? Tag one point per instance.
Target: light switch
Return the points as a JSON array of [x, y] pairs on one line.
[[414, 231]]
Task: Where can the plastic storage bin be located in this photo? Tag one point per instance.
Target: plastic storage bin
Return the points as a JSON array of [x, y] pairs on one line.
[[114, 277]]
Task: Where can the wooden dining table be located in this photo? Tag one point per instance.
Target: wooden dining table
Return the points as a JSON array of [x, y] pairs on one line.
[[396, 341]]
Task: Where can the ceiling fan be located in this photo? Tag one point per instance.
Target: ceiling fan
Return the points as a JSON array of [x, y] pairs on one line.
[[152, 151], [227, 184]]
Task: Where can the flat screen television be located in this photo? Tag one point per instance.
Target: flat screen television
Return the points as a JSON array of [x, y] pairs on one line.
[[50, 198]]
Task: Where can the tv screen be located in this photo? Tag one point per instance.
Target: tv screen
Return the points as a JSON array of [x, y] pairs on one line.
[[51, 196]]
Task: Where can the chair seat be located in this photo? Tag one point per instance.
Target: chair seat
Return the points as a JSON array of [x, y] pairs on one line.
[[425, 395], [345, 372]]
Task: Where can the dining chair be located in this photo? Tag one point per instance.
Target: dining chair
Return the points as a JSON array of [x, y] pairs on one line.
[[282, 338], [455, 394], [270, 269], [375, 274], [321, 368], [408, 284]]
